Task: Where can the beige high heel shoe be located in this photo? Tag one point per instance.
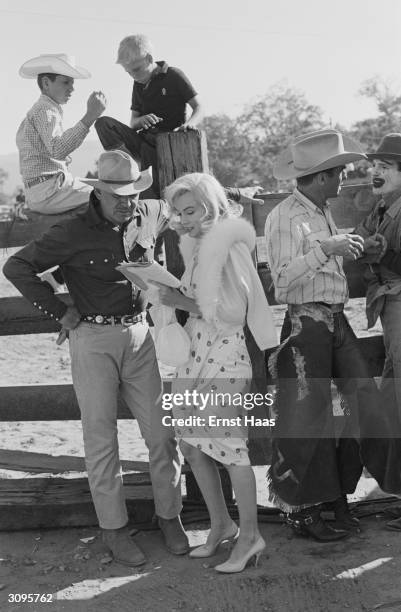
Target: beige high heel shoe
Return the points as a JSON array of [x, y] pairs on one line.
[[207, 550], [233, 567]]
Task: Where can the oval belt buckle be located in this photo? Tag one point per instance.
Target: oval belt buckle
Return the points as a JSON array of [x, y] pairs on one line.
[[124, 322], [99, 319]]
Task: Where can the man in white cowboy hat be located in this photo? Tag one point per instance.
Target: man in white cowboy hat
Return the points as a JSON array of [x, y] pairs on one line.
[[110, 344], [44, 147], [305, 254]]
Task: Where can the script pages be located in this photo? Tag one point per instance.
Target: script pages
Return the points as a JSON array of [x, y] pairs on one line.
[[141, 273]]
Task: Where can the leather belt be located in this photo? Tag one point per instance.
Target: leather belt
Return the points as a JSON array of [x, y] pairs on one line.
[[333, 307], [40, 179], [124, 320]]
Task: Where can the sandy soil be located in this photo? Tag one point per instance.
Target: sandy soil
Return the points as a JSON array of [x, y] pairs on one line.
[[362, 573]]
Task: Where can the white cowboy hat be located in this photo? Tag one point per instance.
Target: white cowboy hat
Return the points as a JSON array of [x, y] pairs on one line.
[[119, 173], [315, 152], [53, 63]]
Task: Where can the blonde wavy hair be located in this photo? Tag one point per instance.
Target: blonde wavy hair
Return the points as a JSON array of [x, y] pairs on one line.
[[206, 191], [133, 47]]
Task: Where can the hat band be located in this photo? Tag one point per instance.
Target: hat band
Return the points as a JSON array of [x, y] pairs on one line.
[[119, 182]]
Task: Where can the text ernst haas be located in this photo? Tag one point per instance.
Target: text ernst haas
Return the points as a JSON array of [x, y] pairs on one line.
[[215, 421]]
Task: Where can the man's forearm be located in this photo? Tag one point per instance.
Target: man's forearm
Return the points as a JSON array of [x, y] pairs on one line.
[[22, 275], [196, 117], [135, 123]]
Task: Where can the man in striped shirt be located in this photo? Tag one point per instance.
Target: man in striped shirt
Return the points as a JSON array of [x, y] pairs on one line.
[[305, 253], [44, 146]]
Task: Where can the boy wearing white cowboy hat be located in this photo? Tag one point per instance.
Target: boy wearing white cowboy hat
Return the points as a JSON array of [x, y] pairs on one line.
[[44, 147], [305, 254], [111, 348]]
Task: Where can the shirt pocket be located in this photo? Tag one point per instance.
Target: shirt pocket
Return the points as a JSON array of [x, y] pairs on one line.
[[100, 264], [313, 237]]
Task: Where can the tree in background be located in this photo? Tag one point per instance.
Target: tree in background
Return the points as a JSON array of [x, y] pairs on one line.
[[271, 123], [388, 103], [227, 150], [242, 150]]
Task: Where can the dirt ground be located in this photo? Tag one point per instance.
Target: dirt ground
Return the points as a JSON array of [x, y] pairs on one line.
[[74, 573]]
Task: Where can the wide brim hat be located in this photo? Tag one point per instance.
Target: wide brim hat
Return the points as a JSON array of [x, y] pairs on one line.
[[315, 152], [389, 148], [53, 63], [119, 174]]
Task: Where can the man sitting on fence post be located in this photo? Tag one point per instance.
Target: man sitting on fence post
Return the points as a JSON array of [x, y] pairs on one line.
[[309, 466], [44, 147], [110, 344], [159, 98]]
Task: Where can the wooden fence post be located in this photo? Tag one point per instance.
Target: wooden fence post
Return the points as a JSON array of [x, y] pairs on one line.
[[179, 153]]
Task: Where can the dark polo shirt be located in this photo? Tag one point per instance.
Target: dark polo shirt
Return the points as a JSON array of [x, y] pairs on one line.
[[87, 248], [165, 95]]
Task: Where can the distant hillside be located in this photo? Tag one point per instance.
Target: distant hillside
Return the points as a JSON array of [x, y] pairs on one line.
[[83, 159]]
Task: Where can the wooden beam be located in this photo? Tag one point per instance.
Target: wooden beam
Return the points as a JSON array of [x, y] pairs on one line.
[[42, 463], [58, 402], [19, 231], [36, 503], [49, 403], [45, 403], [180, 152]]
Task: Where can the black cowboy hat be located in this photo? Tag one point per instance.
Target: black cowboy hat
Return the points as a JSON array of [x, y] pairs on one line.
[[389, 148]]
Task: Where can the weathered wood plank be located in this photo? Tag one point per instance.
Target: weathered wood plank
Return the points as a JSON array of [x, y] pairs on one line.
[[179, 153], [352, 205], [40, 463], [45, 403], [35, 503], [48, 403], [74, 514], [20, 231], [58, 402]]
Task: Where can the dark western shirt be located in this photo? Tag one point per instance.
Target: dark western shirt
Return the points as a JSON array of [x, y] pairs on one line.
[[87, 248], [165, 95]]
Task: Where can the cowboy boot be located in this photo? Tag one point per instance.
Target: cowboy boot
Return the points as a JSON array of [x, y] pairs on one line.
[[174, 535], [342, 512], [122, 547], [309, 523]]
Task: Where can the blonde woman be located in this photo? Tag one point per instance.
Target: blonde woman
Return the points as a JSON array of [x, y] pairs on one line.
[[221, 291]]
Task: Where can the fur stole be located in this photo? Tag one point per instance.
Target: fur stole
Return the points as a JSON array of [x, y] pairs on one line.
[[214, 248]]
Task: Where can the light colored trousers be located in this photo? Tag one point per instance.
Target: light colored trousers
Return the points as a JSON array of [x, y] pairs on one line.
[[105, 360], [391, 322], [57, 195]]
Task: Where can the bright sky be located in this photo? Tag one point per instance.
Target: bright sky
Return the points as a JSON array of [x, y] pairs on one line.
[[232, 50]]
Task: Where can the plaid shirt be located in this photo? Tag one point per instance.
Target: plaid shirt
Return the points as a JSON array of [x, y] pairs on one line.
[[301, 271], [43, 145]]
